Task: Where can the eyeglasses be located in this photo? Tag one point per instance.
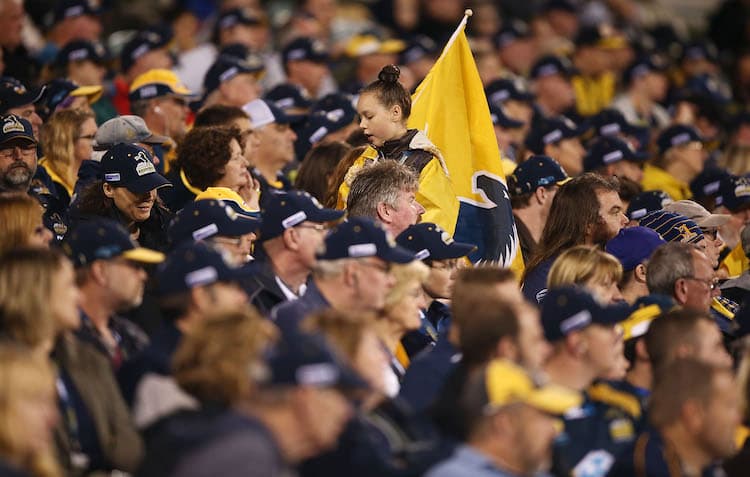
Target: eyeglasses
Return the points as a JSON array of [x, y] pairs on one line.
[[384, 267], [318, 227], [90, 137], [709, 282], [7, 152]]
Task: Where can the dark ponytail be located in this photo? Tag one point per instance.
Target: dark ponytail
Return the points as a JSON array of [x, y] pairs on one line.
[[389, 91]]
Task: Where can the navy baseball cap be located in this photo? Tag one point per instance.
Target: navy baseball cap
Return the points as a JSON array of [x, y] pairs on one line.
[[132, 167], [672, 227], [510, 32], [336, 102], [321, 124], [303, 359], [287, 96], [360, 237], [611, 122], [420, 46], [142, 43], [561, 5], [104, 239], [536, 171], [305, 49], [604, 151], [499, 118], [227, 67], [551, 131], [61, 92], [75, 8], [238, 16], [734, 193], [16, 127], [81, 50], [707, 88], [14, 94], [429, 241], [503, 89], [643, 65], [551, 65], [708, 181], [196, 264], [571, 308], [203, 219], [285, 210], [634, 245], [675, 136], [647, 202], [700, 50], [262, 112]]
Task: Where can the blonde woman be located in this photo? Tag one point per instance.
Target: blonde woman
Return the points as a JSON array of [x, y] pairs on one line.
[[591, 268], [401, 314], [68, 139], [21, 223], [28, 413]]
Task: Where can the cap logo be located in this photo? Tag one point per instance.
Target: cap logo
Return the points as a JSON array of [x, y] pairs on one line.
[[362, 250], [113, 177], [144, 166], [12, 124], [229, 74], [294, 219], [79, 54], [319, 374], [575, 322], [609, 129], [205, 232], [742, 190], [202, 276], [612, 157], [680, 139], [445, 237], [552, 136], [422, 254], [319, 134]]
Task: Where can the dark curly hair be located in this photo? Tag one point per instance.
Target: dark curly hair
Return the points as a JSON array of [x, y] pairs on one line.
[[204, 152]]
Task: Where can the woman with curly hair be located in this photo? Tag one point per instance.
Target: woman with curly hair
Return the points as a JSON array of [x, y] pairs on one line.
[[208, 157], [68, 139]]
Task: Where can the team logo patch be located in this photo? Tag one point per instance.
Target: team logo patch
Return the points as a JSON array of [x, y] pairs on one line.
[[12, 124]]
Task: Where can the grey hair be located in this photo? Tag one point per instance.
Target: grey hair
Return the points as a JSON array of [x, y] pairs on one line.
[[379, 183], [329, 268], [669, 263]]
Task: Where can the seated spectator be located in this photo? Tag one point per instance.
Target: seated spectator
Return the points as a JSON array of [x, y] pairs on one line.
[[231, 81], [194, 282], [230, 229], [111, 277], [646, 84], [352, 273], [217, 367], [645, 203], [387, 193], [293, 228], [21, 223], [596, 271], [63, 94], [68, 139], [20, 101], [28, 413], [315, 174], [680, 160], [633, 247], [550, 78], [690, 401], [128, 194], [610, 156], [96, 433], [733, 199], [510, 424], [709, 224], [208, 157]]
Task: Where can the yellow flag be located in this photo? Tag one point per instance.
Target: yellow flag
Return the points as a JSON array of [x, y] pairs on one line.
[[451, 108]]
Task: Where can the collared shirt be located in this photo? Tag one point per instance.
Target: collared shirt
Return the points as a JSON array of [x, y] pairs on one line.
[[656, 178], [288, 315], [129, 338], [288, 293], [468, 462]]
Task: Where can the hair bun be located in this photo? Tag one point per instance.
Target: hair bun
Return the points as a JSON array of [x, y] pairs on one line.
[[389, 74]]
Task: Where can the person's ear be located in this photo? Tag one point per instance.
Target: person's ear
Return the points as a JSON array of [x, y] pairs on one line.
[[396, 113], [384, 213], [290, 237], [681, 291], [98, 272], [640, 273], [541, 194], [108, 190]]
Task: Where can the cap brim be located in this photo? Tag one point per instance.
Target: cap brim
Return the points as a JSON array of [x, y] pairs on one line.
[[156, 139], [148, 183], [456, 250], [511, 124], [553, 399], [23, 136], [612, 314], [325, 215], [92, 93], [397, 254], [144, 255], [564, 181], [243, 225], [713, 220]]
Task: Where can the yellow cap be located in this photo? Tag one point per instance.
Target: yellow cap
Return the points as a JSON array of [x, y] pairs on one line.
[[92, 93], [507, 383], [143, 255], [225, 194], [170, 82], [361, 45]]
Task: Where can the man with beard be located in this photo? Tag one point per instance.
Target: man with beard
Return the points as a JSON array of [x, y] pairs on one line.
[[585, 211], [111, 278], [18, 171], [511, 428]]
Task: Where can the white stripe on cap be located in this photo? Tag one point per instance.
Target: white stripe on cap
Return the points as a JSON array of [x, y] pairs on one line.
[[680, 139], [552, 136], [609, 129], [319, 374], [202, 276], [422, 254], [229, 74], [205, 232], [612, 157], [362, 250], [294, 219], [575, 322], [112, 177], [319, 134]]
